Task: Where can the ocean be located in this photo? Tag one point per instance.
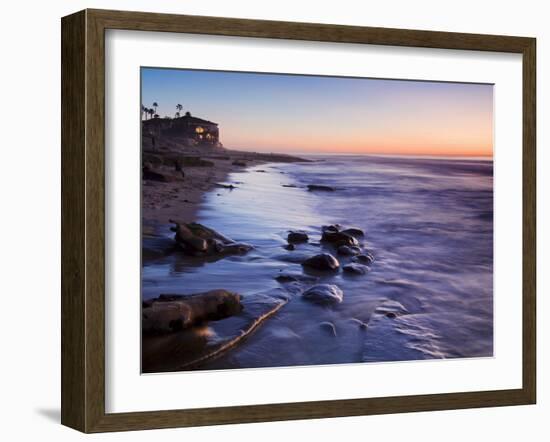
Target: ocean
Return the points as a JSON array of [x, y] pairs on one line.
[[428, 222]]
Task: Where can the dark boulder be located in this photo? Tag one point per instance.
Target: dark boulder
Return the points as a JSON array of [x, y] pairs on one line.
[[198, 240], [297, 236], [332, 228], [339, 238], [354, 231], [323, 261], [348, 251], [172, 313]]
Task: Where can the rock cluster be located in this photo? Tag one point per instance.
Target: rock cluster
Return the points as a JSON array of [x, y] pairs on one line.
[[198, 240]]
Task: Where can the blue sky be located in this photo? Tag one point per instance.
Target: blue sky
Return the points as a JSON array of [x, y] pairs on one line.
[[292, 113]]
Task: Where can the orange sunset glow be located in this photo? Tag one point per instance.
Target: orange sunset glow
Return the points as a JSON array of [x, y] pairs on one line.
[[314, 114]]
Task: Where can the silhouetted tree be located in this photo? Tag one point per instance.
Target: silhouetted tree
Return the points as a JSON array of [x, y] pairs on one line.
[[155, 105]]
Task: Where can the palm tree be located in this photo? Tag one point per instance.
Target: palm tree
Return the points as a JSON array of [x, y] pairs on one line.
[[179, 107], [177, 115], [151, 112], [155, 105]]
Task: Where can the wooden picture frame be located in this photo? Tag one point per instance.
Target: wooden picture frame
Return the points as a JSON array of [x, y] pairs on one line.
[[83, 220]]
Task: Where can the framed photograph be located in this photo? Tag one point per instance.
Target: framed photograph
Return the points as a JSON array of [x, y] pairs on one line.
[[269, 220]]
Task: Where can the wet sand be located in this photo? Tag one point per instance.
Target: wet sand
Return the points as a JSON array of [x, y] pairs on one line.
[[204, 168]]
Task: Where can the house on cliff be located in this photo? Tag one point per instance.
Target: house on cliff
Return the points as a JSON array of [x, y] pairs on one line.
[[189, 129]]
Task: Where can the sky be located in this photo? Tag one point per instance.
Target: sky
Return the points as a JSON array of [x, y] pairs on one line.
[[321, 114]]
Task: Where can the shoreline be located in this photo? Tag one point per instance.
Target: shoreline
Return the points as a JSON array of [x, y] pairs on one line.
[[176, 180]]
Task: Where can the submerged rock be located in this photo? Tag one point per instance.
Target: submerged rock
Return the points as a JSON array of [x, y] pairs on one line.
[[354, 231], [284, 277], [365, 258], [348, 251], [323, 261], [296, 236], [329, 327], [173, 313], [323, 188], [355, 269], [198, 240], [324, 294], [334, 228], [391, 309], [339, 238]]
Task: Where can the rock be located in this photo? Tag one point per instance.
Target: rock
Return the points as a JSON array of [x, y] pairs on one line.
[[284, 277], [290, 247], [297, 236], [365, 258], [323, 261], [391, 309], [355, 269], [288, 185], [354, 231], [339, 238], [313, 187], [172, 313], [197, 239], [329, 327], [348, 251], [324, 294], [239, 163], [333, 228], [185, 236]]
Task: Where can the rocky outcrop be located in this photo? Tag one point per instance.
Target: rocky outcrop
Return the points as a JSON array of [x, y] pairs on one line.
[[198, 240]]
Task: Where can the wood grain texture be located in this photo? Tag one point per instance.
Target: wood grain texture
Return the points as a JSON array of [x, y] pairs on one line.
[[73, 253], [83, 219]]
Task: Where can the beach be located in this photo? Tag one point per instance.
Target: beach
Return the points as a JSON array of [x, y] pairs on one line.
[[425, 225]]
